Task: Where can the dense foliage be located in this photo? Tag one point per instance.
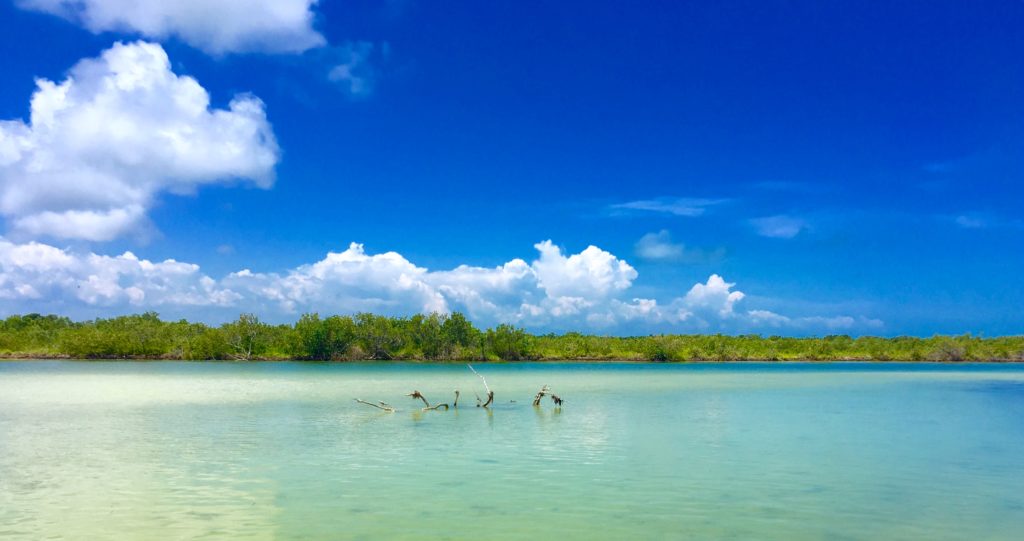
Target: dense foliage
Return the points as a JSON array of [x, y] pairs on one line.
[[447, 337]]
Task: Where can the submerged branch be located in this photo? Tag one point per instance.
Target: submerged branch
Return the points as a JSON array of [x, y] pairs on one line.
[[426, 405], [380, 405], [417, 394], [546, 391], [540, 394]]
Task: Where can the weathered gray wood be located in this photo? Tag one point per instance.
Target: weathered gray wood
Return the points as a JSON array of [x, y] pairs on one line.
[[490, 393], [380, 405]]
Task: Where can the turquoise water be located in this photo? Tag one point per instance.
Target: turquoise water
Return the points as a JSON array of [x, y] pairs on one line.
[[98, 450]]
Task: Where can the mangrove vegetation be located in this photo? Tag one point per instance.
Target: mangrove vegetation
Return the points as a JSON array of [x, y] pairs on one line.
[[448, 337]]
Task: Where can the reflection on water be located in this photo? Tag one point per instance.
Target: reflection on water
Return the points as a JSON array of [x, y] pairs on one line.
[[281, 451]]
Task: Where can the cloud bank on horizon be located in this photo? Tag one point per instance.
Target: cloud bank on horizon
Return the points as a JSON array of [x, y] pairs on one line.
[[590, 289]]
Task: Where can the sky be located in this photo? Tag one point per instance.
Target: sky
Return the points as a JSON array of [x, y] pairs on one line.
[[770, 167]]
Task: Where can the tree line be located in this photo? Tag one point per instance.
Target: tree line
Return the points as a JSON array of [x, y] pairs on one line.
[[452, 337]]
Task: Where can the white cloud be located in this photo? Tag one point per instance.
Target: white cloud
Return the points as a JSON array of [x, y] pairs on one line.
[[982, 220], [658, 246], [347, 281], [356, 72], [779, 226], [676, 206], [592, 273], [970, 222], [507, 292], [35, 271], [215, 26], [586, 290], [766, 318], [119, 130], [715, 296]]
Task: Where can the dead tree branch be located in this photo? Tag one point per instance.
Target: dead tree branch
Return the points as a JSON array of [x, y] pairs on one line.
[[540, 394], [380, 405], [417, 394], [490, 393], [426, 405], [546, 391]]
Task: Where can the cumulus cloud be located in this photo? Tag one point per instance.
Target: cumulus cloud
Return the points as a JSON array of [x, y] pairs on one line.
[[589, 289], [41, 272], [715, 296], [681, 206], [779, 226], [347, 281], [120, 129], [215, 26], [506, 293], [592, 273]]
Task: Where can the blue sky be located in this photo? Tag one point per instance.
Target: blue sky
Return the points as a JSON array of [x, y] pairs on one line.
[[848, 168]]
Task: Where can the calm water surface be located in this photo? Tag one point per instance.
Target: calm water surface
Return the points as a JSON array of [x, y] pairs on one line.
[[98, 450]]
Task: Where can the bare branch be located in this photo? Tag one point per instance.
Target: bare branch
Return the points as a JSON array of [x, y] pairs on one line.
[[481, 377], [546, 391], [426, 405], [382, 405], [417, 394], [540, 394], [490, 393]]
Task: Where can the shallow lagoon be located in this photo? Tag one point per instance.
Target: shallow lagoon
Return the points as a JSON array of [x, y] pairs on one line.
[[105, 450]]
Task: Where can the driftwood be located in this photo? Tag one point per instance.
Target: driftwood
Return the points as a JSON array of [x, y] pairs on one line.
[[426, 405], [540, 394], [546, 391], [417, 394], [480, 403], [490, 393], [379, 405]]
